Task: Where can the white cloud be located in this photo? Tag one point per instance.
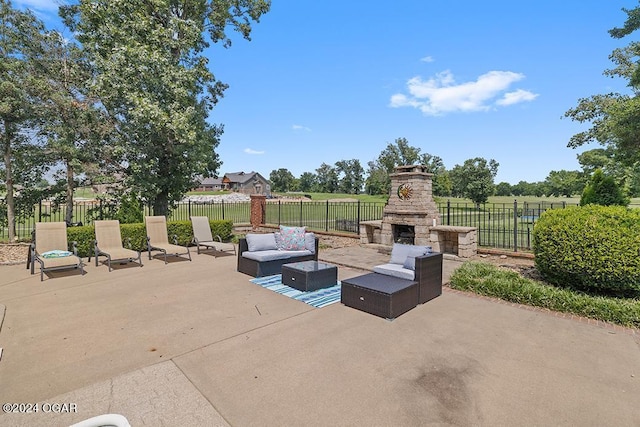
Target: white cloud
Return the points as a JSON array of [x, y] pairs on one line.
[[519, 95], [300, 127], [427, 59], [252, 151], [440, 94]]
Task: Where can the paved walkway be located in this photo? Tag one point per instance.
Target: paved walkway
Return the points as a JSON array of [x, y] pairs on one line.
[[195, 343]]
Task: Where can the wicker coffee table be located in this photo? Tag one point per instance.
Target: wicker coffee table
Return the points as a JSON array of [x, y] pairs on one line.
[[309, 275]]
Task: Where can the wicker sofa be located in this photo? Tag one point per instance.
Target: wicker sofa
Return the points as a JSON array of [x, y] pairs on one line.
[[269, 260]]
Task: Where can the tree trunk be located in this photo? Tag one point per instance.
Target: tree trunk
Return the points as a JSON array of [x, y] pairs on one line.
[[161, 204], [11, 205], [69, 213]]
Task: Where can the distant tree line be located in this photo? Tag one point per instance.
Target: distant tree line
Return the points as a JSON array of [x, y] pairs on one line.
[[474, 179]]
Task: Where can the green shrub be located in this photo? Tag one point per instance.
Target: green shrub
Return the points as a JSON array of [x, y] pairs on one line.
[[603, 190], [592, 248], [486, 279], [85, 235], [130, 210]]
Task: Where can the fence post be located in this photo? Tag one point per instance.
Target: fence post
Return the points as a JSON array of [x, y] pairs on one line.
[[100, 208], [300, 213], [279, 212], [40, 211], [448, 212], [358, 220], [326, 216], [222, 205], [515, 225]]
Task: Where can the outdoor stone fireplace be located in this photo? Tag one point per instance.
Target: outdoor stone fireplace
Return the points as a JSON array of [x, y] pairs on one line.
[[411, 217], [411, 210]]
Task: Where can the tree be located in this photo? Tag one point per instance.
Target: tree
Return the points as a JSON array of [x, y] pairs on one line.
[[397, 154], [615, 117], [503, 189], [74, 127], [376, 182], [281, 180], [441, 180], [474, 179], [152, 79], [352, 176], [307, 182], [603, 190], [564, 183], [20, 33], [327, 178], [627, 176]]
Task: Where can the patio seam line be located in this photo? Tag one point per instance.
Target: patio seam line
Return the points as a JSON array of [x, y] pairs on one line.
[[200, 391], [3, 311]]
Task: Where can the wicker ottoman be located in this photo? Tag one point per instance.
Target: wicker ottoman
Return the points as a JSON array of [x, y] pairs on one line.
[[309, 275], [379, 294]]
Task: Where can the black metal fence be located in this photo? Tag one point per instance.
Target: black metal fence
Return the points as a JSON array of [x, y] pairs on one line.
[[324, 216], [499, 225], [85, 212]]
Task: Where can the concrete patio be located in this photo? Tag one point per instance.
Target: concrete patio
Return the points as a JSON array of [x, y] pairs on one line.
[[195, 343]]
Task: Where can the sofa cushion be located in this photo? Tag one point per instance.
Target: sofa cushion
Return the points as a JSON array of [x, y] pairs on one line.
[[310, 242], [274, 254], [410, 261], [395, 270], [292, 238], [400, 252], [261, 242]]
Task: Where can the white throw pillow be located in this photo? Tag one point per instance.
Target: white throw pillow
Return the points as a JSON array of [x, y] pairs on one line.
[[261, 242]]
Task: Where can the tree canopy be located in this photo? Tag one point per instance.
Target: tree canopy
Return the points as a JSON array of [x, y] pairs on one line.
[[152, 78], [474, 179], [615, 117], [21, 35]]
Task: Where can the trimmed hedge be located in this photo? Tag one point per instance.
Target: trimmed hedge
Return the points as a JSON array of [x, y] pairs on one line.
[[591, 248], [85, 235]]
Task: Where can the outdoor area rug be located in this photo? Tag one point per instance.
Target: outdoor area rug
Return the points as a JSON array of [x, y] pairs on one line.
[[320, 298]]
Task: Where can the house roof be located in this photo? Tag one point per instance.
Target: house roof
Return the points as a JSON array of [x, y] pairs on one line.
[[233, 177], [211, 181], [242, 177]]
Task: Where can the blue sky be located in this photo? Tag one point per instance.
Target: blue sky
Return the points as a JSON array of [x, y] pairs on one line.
[[323, 81]]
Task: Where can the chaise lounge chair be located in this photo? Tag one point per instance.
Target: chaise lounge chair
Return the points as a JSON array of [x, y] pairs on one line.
[[51, 249], [109, 243], [158, 238], [202, 236]]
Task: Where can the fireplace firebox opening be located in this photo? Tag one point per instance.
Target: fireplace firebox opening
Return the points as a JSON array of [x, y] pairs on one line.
[[404, 234]]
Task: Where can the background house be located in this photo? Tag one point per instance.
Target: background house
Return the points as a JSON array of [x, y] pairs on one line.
[[247, 183], [209, 184], [239, 182]]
